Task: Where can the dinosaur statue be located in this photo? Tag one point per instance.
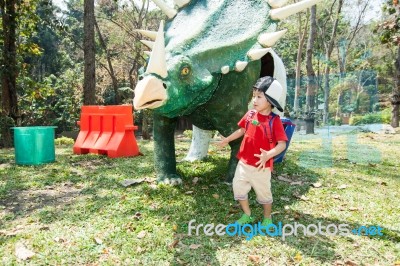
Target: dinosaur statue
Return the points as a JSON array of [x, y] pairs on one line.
[[203, 64]]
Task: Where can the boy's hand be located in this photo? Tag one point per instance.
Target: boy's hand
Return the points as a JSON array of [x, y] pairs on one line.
[[222, 143], [264, 157]]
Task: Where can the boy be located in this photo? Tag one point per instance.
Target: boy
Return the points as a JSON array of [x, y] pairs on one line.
[[258, 148]]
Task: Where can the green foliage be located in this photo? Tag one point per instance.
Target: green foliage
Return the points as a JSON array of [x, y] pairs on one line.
[[49, 81], [64, 141], [27, 21], [371, 118], [389, 29], [188, 133], [338, 121], [55, 101], [6, 123], [125, 94]]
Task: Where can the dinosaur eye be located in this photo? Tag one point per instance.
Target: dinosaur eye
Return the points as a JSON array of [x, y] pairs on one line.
[[185, 71]]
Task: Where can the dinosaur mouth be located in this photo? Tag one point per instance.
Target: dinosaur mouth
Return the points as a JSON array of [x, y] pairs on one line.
[[152, 104], [149, 93]]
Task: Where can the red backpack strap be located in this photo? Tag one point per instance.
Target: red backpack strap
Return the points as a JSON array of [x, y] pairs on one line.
[[250, 115], [268, 130]]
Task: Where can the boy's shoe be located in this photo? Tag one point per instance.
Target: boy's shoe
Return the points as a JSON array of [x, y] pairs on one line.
[[266, 222], [245, 219]]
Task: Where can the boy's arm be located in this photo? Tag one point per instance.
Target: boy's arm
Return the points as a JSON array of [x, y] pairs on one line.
[[235, 135], [280, 147], [266, 155]]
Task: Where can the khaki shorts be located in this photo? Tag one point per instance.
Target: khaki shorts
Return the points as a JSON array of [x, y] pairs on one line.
[[247, 177]]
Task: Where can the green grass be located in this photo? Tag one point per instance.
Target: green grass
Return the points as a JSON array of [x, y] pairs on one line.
[[76, 212]]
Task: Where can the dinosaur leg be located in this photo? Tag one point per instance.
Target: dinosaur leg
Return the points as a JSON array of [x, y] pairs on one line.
[[199, 146], [233, 161], [164, 150]]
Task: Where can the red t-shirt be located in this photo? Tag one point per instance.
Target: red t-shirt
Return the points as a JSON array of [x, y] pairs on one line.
[[256, 137]]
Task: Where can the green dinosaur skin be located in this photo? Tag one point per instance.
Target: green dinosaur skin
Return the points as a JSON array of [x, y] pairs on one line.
[[212, 115], [203, 37]]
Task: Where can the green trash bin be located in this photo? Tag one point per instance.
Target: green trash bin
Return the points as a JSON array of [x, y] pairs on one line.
[[34, 145]]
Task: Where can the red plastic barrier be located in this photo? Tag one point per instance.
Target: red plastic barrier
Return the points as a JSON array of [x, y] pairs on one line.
[[107, 130]]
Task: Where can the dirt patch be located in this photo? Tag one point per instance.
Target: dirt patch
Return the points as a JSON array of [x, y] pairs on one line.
[[91, 164], [29, 200]]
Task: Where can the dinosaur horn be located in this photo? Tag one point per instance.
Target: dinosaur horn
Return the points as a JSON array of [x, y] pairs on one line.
[[157, 63], [181, 3], [268, 39], [284, 12], [170, 12], [255, 54], [240, 66], [150, 34], [149, 44], [276, 3], [225, 69]]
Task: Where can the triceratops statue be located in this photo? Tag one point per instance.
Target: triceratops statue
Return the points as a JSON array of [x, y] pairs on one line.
[[203, 64]]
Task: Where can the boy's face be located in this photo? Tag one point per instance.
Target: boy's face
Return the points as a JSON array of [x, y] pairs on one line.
[[260, 102]]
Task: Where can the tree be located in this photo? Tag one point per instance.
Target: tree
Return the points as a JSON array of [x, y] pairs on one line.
[[396, 93], [347, 45], [9, 70], [312, 81], [302, 38], [89, 83], [390, 35], [110, 68], [130, 18], [328, 52]]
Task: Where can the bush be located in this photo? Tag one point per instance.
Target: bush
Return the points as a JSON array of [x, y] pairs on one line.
[[188, 133], [64, 141], [371, 118]]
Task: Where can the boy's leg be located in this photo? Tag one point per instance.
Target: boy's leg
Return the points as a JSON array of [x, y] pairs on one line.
[[245, 206], [246, 217], [241, 188], [267, 210], [261, 184], [241, 185]]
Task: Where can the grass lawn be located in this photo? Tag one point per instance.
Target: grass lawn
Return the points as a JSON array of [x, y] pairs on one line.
[[76, 212]]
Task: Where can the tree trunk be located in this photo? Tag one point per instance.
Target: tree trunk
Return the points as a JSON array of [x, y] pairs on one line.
[[89, 82], [338, 109], [311, 83], [132, 80], [328, 53], [342, 66], [396, 92], [110, 68], [325, 115], [302, 38], [9, 71]]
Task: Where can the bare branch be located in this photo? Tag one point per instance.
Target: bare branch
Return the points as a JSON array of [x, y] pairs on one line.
[[129, 32], [357, 28]]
